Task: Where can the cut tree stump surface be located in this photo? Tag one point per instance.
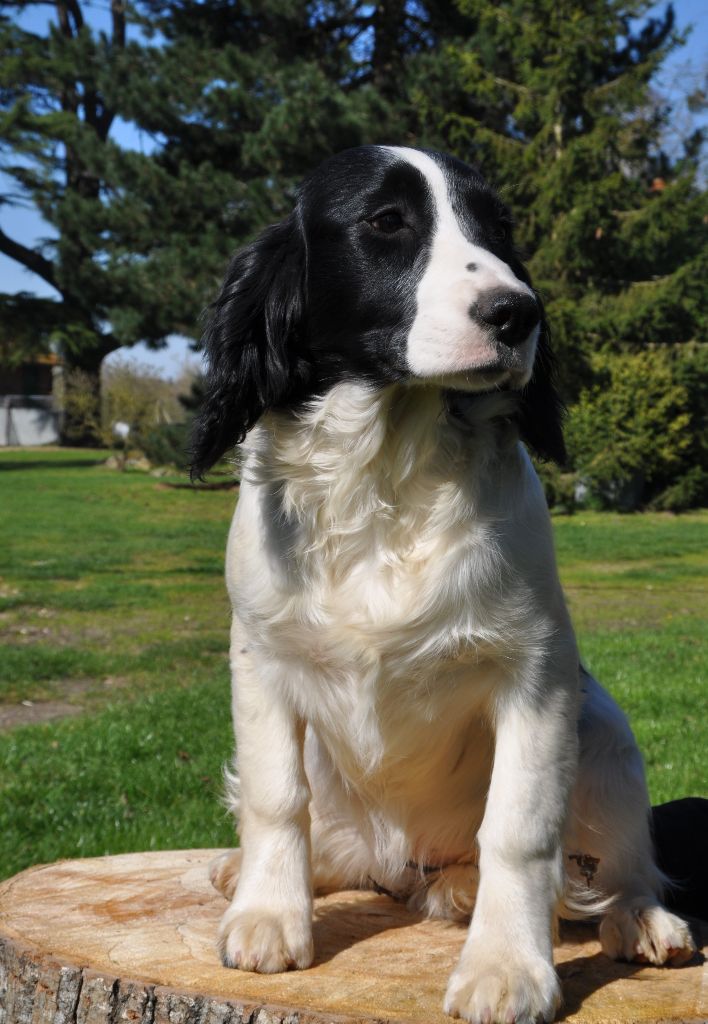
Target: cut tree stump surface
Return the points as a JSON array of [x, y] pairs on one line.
[[131, 938]]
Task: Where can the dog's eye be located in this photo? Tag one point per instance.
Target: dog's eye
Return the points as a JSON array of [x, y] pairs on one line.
[[388, 222], [502, 232]]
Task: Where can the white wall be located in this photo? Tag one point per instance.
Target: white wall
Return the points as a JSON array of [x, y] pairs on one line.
[[26, 420]]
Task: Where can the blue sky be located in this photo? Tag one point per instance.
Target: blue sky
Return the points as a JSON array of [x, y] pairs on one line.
[[26, 226]]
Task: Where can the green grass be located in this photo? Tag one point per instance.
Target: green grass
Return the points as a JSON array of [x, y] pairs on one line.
[[637, 591], [105, 574], [141, 776], [112, 599]]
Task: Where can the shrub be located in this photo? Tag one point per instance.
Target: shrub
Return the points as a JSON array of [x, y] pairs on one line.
[[80, 408], [559, 487], [167, 444], [630, 434], [689, 491], [135, 394]]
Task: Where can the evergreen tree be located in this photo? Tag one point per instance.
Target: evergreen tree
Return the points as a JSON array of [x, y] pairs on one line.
[[59, 99], [55, 120], [565, 122], [563, 116], [260, 91], [240, 99]]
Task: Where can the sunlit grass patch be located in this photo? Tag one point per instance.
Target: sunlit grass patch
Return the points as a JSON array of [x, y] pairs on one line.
[[112, 600], [142, 776]]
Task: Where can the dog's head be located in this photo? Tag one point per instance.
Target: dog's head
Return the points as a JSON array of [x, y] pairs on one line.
[[396, 265]]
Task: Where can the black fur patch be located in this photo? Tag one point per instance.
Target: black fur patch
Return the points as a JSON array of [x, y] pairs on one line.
[[329, 294]]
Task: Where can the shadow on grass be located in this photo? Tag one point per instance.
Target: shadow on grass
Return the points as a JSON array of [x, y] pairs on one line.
[[50, 464]]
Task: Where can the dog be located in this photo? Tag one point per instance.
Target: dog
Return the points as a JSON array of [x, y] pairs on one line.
[[409, 707]]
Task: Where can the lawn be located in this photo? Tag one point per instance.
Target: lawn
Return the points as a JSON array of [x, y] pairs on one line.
[[113, 615]]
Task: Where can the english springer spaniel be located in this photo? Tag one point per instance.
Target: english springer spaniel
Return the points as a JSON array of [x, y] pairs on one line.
[[409, 707]]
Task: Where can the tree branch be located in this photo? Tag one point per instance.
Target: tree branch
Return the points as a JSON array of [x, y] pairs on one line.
[[64, 9], [34, 261], [118, 18], [514, 86], [68, 95], [77, 15], [102, 121]]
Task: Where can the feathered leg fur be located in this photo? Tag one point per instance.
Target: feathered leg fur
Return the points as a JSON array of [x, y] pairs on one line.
[[607, 849]]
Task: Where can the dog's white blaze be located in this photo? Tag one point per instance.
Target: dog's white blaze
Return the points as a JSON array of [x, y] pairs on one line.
[[444, 340]]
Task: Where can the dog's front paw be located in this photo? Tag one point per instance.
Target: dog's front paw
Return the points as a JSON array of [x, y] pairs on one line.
[[262, 940], [496, 987], [646, 932]]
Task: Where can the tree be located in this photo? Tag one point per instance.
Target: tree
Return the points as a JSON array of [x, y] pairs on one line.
[[58, 92], [564, 120], [261, 91], [56, 119], [625, 440], [240, 99]]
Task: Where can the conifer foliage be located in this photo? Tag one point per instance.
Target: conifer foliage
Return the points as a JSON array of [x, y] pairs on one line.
[[568, 123], [236, 100]]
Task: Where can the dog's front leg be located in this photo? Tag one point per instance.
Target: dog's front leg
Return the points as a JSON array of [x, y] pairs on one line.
[[268, 926], [505, 973]]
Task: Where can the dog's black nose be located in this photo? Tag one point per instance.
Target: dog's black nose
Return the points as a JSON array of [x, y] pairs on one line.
[[512, 315]]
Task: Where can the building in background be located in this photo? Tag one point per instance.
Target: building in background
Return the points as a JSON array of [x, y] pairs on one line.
[[28, 408]]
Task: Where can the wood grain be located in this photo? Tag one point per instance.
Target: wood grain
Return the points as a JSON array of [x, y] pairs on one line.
[[131, 939]]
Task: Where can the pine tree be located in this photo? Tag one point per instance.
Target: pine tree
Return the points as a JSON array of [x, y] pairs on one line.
[[562, 115], [58, 93], [56, 120], [261, 91], [241, 99], [566, 124]]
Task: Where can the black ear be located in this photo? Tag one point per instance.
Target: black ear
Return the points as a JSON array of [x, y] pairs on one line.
[[251, 341], [542, 410]]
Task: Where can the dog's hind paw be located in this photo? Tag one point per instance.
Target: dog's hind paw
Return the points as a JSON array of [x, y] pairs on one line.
[[449, 893], [224, 871], [644, 931]]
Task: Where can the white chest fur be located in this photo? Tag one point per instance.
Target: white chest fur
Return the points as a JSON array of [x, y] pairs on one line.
[[369, 563]]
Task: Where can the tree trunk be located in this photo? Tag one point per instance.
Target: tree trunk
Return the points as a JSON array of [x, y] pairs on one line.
[[388, 23], [132, 938]]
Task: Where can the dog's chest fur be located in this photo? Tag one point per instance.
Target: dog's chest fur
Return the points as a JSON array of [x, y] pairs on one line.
[[367, 564]]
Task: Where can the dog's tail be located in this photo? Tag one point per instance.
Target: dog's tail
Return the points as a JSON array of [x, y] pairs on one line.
[[580, 899]]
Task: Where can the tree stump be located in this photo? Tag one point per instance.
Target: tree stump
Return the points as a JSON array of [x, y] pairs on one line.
[[131, 938]]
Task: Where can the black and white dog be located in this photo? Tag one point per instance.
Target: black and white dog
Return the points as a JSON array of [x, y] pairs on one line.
[[408, 702]]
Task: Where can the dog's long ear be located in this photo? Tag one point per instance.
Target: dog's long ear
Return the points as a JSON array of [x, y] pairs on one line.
[[542, 409], [251, 341]]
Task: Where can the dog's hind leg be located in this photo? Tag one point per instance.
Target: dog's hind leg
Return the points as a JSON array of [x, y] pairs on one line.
[[449, 893], [608, 846]]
